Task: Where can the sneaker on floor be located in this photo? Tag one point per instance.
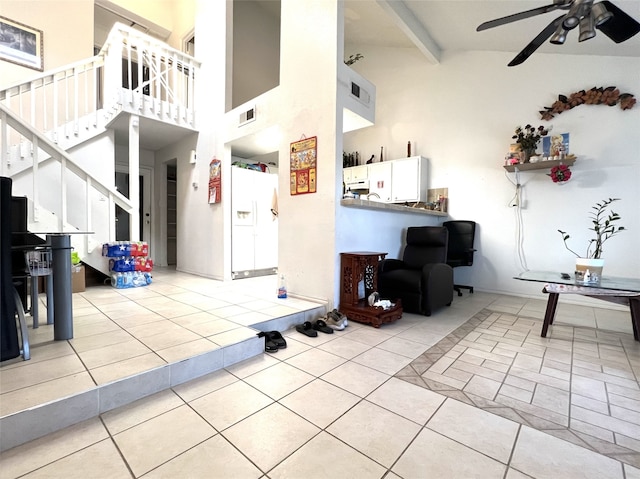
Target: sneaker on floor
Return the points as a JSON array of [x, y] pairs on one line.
[[334, 323], [338, 317]]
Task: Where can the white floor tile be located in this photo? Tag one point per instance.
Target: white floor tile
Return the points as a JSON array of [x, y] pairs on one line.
[[469, 425], [433, 455], [561, 459]]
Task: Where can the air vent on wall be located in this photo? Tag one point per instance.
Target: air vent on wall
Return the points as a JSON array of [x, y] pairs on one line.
[[360, 93], [247, 116]]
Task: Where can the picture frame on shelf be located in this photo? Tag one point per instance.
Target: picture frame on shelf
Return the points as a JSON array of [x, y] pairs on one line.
[[21, 44], [552, 144]]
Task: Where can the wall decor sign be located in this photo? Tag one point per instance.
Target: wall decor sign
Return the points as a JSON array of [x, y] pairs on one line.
[[21, 44], [609, 96], [215, 181], [303, 160]]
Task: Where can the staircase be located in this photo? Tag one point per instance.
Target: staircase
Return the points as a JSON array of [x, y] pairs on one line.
[[57, 137]]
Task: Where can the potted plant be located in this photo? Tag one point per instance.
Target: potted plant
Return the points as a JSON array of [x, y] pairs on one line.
[[589, 267], [528, 138]]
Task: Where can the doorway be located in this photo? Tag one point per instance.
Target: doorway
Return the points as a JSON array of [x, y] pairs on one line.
[[172, 215], [123, 230]]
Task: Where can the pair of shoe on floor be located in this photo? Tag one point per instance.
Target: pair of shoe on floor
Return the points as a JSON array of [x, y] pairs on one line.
[[273, 341], [337, 320], [311, 329]]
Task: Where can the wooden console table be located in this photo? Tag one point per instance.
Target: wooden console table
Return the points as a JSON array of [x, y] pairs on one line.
[[363, 266]]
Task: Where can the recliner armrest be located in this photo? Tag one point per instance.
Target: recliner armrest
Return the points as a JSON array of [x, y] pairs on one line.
[[434, 268], [387, 265]]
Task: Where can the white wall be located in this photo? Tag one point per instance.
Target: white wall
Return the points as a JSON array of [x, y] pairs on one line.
[[256, 50], [204, 228], [461, 115], [59, 49], [309, 54]]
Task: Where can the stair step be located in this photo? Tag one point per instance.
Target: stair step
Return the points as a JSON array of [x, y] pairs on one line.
[[29, 424]]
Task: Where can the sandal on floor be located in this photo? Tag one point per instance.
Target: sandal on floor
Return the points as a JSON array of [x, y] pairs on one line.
[[320, 325], [269, 345], [306, 328], [277, 338]]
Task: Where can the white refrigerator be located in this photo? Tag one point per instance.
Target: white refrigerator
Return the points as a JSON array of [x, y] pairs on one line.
[[254, 230]]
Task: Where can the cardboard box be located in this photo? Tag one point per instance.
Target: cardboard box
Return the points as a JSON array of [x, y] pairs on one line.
[[77, 279]]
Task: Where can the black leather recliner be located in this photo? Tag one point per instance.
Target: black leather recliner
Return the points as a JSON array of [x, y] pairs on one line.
[[422, 279]]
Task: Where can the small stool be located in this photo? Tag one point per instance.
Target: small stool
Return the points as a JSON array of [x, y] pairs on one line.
[[39, 265]]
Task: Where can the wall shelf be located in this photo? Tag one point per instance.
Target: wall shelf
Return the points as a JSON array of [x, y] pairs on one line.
[[540, 165]]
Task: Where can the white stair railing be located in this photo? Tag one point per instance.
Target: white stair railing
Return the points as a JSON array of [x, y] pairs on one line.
[[93, 197], [132, 72], [147, 77]]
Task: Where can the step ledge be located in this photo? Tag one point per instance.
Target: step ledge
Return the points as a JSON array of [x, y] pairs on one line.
[[24, 426]]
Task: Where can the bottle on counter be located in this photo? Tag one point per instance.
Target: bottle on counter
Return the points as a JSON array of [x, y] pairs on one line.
[[408, 149], [282, 288]]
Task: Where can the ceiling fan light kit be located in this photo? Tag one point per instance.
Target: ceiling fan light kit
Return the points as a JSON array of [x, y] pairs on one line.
[[600, 14], [587, 28], [559, 36], [604, 15]]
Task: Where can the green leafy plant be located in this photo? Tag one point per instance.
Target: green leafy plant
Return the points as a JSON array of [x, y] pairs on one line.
[[353, 58], [603, 226]]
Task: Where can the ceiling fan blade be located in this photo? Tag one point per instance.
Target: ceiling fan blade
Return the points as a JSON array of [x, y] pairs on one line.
[[621, 27], [542, 37], [520, 16]]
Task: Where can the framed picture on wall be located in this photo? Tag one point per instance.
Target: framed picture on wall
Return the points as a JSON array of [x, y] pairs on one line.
[[21, 44]]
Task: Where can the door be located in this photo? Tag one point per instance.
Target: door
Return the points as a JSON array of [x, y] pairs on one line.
[[242, 220], [254, 228], [405, 180], [380, 180], [123, 232], [266, 227], [172, 215]]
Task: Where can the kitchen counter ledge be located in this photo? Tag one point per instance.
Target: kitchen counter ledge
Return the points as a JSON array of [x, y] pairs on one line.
[[377, 205]]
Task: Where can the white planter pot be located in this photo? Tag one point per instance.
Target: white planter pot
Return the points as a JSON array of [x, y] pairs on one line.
[[589, 271]]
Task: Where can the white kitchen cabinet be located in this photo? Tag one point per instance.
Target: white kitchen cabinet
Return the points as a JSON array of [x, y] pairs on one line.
[[409, 180], [380, 181], [355, 174], [395, 181]]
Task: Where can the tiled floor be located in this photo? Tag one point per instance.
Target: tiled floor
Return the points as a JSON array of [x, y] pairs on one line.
[[579, 385], [128, 343], [334, 406]]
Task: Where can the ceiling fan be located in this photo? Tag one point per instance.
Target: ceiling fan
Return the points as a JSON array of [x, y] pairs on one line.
[[586, 15]]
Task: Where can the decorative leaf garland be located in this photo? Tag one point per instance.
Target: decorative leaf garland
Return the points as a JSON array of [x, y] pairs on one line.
[[609, 96]]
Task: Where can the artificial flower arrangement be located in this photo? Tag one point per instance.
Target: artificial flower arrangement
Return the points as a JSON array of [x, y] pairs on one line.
[[560, 174], [529, 136], [603, 226]]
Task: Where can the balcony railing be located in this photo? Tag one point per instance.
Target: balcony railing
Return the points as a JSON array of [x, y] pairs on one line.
[[46, 115]]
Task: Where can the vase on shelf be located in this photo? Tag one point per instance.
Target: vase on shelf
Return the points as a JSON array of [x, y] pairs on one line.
[[527, 153]]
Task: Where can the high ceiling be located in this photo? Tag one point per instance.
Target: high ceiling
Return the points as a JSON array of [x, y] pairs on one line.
[[452, 24], [443, 25]]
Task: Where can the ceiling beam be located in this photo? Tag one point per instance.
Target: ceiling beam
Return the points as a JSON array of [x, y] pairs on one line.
[[411, 26]]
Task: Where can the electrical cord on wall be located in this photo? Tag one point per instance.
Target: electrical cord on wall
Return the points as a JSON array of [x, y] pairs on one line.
[[516, 202]]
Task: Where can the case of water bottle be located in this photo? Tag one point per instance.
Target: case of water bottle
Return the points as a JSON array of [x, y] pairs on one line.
[[128, 263]]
